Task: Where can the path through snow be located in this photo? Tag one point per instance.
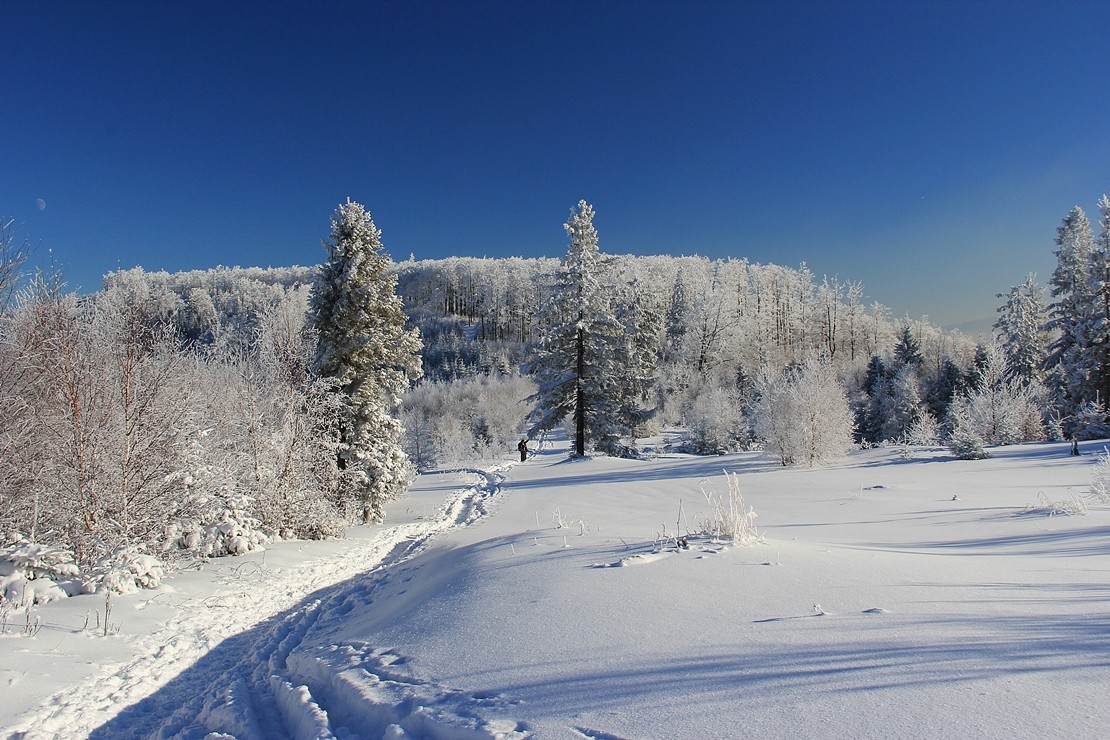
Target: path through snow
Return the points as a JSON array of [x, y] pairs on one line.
[[223, 664]]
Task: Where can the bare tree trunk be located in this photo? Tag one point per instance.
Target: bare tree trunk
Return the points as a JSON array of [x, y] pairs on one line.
[[580, 397]]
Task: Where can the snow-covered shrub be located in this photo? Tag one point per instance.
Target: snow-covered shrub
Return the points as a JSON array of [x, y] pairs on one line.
[[1065, 507], [1091, 422], [35, 560], [716, 423], [34, 573], [732, 518], [924, 430], [318, 521], [227, 527], [1099, 488], [802, 415], [125, 571], [964, 440]]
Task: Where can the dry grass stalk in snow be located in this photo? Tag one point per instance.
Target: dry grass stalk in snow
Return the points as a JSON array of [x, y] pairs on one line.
[[732, 518]]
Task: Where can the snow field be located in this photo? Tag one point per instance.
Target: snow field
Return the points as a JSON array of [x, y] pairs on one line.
[[877, 605], [888, 597]]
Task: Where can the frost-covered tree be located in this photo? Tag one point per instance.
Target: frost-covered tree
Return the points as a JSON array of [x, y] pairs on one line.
[[925, 429], [1070, 315], [676, 316], [907, 350], [1020, 329], [999, 409], [582, 363], [893, 403], [13, 255], [469, 419], [802, 414], [364, 347], [116, 406], [948, 382], [716, 422], [964, 439], [284, 445], [1097, 331]]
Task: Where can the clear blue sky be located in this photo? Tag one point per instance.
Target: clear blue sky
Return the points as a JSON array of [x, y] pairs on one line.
[[929, 149]]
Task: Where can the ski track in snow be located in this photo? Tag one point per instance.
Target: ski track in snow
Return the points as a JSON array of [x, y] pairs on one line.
[[259, 683]]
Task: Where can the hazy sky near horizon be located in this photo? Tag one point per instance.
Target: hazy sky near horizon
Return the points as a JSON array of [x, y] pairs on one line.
[[927, 149]]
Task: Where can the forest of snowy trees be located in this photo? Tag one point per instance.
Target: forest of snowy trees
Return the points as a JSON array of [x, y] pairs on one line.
[[172, 417], [194, 414]]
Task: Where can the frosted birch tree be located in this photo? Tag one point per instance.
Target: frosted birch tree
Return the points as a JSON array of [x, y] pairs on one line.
[[802, 414]]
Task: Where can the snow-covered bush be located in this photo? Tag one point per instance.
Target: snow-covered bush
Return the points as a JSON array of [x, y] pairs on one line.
[[125, 571], [716, 423], [1100, 479], [924, 430], [228, 526], [34, 573], [803, 414]]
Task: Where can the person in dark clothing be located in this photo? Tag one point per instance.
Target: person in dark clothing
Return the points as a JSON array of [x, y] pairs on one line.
[[523, 447]]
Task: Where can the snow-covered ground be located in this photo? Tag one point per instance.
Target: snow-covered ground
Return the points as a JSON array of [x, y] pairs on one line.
[[889, 597]]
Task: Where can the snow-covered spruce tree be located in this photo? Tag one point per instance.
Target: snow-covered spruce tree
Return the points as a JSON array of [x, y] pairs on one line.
[[1098, 323], [803, 414], [582, 363], [1069, 361], [1021, 330], [907, 350], [364, 347], [948, 382], [964, 439]]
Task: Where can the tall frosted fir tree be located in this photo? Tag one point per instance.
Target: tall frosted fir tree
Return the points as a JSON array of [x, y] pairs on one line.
[[582, 363], [1021, 330], [365, 349], [1069, 359], [1098, 326]]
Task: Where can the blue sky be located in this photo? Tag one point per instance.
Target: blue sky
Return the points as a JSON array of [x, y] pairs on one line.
[[928, 149]]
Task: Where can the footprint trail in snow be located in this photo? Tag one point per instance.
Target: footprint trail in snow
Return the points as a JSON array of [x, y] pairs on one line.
[[240, 664]]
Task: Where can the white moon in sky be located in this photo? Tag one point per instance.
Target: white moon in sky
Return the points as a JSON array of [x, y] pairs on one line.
[[40, 203]]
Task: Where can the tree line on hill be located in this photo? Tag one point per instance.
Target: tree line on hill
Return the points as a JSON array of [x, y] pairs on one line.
[[208, 412]]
